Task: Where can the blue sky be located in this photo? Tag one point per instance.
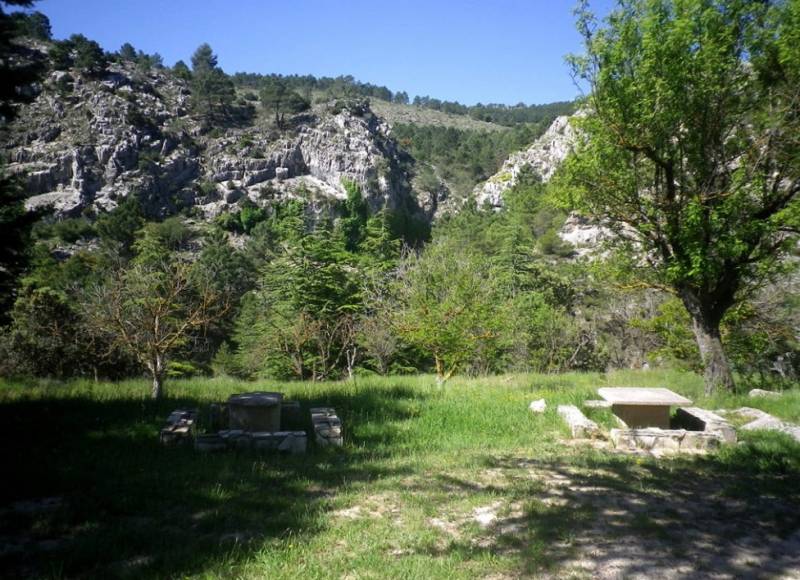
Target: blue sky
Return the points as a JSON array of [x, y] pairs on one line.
[[502, 51]]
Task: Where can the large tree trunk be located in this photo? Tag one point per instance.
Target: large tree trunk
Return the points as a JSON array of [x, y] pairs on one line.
[[718, 374]]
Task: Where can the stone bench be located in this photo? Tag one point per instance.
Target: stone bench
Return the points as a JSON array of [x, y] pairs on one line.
[[294, 442], [580, 426], [179, 428], [327, 427], [697, 419], [763, 421], [655, 439]]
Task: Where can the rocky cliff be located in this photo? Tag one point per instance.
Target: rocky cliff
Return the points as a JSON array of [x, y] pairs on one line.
[[86, 143], [544, 157]]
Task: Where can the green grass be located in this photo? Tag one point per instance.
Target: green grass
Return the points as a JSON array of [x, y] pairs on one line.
[[397, 501]]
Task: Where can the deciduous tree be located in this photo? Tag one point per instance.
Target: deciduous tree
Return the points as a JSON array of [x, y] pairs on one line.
[[150, 310], [692, 146]]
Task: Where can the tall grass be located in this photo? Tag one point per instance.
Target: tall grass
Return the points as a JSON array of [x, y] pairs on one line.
[[413, 453]]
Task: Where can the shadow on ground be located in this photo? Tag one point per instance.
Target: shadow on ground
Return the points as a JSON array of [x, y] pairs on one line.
[[89, 491], [734, 515]]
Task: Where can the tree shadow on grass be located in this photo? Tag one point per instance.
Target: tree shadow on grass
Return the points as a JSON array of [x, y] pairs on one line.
[[735, 514], [125, 506]]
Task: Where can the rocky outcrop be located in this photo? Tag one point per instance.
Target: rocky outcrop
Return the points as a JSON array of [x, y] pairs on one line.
[[543, 157], [85, 144]]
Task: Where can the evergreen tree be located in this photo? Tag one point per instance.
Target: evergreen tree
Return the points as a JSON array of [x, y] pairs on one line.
[[80, 52], [212, 90], [127, 52], [15, 238], [277, 98], [34, 25], [182, 71]]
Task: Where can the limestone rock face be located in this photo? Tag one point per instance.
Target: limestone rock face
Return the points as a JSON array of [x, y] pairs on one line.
[[86, 144], [543, 157], [585, 235]]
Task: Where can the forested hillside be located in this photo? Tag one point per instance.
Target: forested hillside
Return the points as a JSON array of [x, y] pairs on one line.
[[180, 221]]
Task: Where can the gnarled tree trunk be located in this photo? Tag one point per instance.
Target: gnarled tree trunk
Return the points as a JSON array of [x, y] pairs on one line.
[[705, 324]]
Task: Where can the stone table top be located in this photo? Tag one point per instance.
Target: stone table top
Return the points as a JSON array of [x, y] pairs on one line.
[[256, 399], [640, 396]]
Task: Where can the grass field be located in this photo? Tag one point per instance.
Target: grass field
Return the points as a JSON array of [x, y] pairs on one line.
[[461, 482]]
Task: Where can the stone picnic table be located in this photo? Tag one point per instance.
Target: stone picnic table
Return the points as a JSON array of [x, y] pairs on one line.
[[642, 407]]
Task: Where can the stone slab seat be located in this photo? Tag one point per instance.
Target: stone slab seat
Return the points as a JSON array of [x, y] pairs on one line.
[[654, 439], [327, 427], [766, 422], [697, 419], [580, 426]]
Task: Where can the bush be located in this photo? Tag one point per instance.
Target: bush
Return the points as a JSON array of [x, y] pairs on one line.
[[148, 160], [207, 188], [172, 232], [229, 221], [67, 230], [251, 215]]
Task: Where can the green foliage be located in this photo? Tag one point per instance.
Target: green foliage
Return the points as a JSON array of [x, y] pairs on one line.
[[148, 160], [182, 71], [43, 339], [243, 221], [15, 240], [691, 145], [119, 226], [296, 323], [462, 157], [380, 247], [251, 215], [157, 241], [279, 100], [32, 25], [79, 52], [448, 303], [223, 266], [353, 222], [17, 69], [212, 91], [127, 52], [673, 326], [68, 230]]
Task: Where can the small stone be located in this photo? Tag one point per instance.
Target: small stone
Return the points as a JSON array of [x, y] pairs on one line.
[[538, 406], [756, 393]]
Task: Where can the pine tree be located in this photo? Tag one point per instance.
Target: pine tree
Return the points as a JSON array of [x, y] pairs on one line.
[[212, 90]]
